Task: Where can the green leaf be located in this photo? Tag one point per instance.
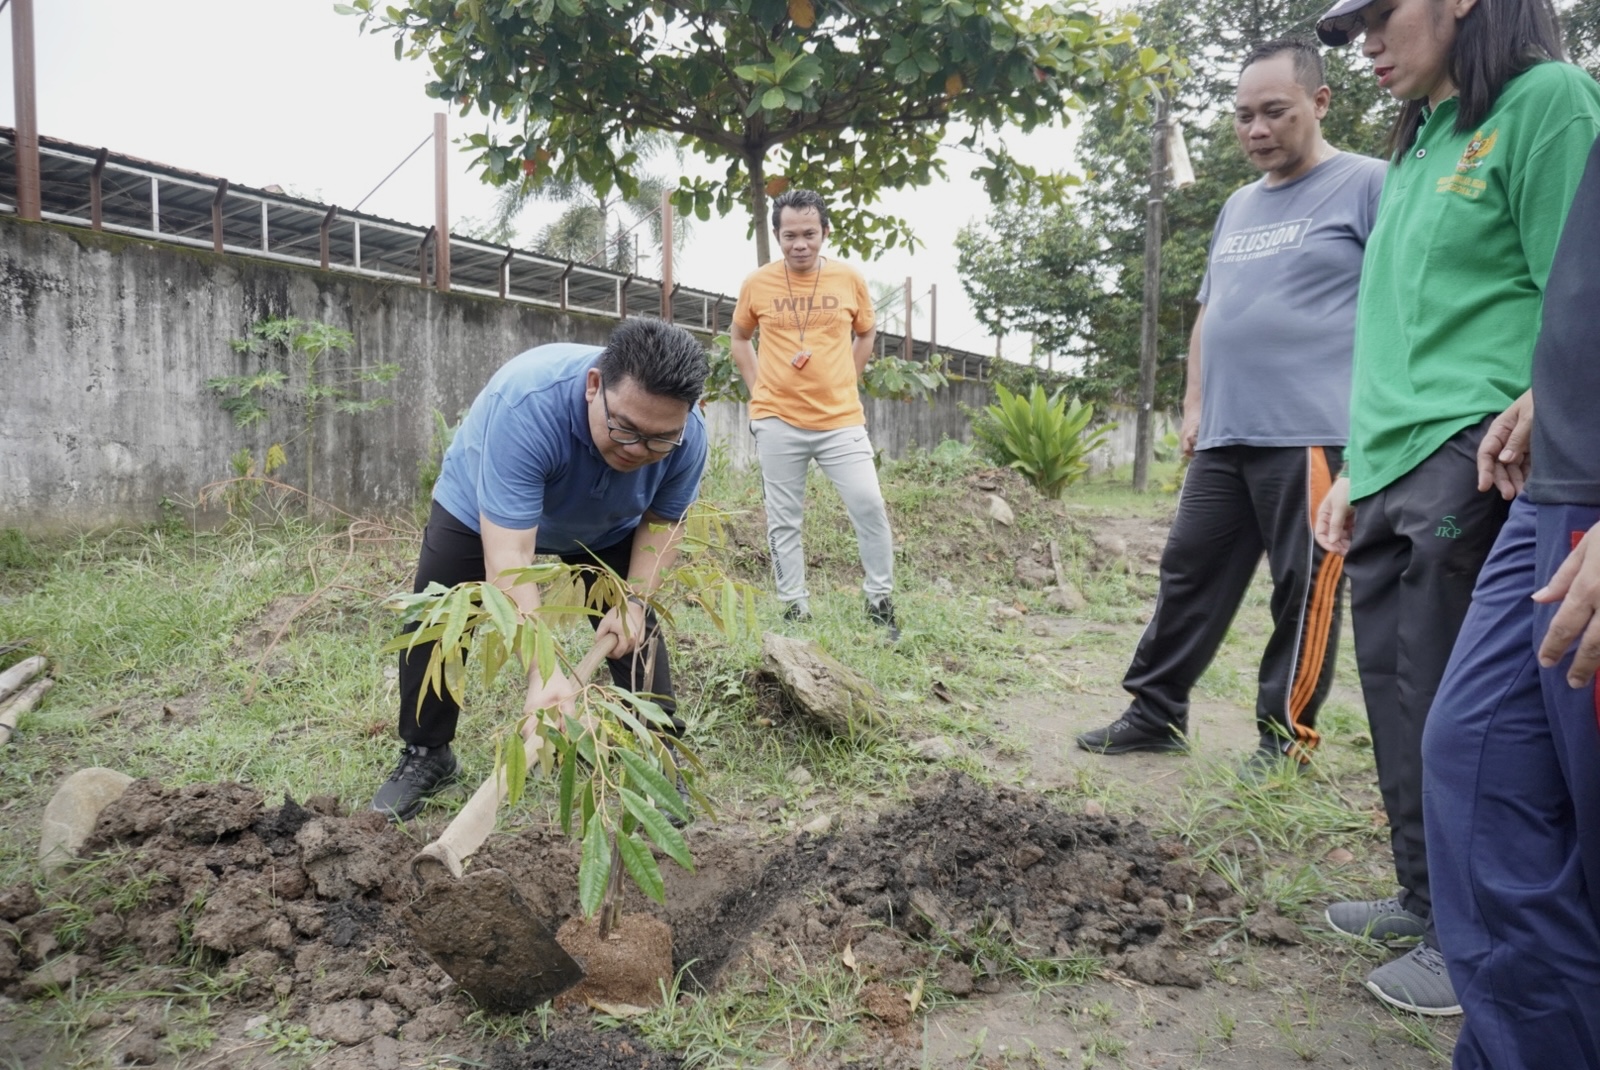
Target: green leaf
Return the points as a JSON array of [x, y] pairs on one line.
[[569, 780], [641, 866], [594, 868], [660, 829], [516, 767], [654, 783], [772, 99], [501, 609], [545, 651]]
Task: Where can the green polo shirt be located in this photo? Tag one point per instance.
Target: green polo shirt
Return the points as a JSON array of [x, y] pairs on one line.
[[1454, 275]]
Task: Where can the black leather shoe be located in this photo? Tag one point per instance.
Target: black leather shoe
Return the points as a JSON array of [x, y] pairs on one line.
[[1122, 736], [421, 773]]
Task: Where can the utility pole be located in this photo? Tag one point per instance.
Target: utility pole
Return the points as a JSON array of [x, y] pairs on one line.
[[666, 255], [441, 204], [1149, 332], [27, 116]]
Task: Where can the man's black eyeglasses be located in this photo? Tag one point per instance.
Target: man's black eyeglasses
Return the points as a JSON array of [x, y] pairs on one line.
[[624, 436]]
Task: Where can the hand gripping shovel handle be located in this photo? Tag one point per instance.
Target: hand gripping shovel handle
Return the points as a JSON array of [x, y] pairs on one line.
[[466, 833]]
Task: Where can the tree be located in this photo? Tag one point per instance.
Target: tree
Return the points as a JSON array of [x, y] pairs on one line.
[[1078, 277], [1033, 270], [1580, 19], [852, 97]]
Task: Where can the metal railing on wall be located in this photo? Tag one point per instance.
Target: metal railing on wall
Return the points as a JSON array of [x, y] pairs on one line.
[[84, 186]]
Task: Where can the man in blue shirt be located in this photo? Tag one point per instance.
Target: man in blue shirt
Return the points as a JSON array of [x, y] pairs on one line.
[[587, 453]]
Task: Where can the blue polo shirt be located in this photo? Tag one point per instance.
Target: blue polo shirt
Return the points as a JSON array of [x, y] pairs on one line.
[[524, 458]]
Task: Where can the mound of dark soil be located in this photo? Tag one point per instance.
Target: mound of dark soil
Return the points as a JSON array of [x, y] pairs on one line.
[[964, 866], [304, 906]]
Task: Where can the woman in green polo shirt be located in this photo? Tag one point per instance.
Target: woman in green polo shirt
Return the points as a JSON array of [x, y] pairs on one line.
[[1486, 152]]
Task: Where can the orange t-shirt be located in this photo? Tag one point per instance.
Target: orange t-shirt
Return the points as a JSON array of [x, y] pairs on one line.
[[826, 306]]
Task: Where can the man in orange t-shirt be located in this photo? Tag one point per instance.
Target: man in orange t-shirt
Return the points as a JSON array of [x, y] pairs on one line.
[[815, 319]]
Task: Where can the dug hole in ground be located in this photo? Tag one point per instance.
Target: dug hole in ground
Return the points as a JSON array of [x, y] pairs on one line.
[[961, 888]]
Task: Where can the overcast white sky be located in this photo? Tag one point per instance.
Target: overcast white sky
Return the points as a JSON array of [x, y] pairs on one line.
[[288, 92]]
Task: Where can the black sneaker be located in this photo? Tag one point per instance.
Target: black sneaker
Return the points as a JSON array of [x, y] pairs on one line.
[[422, 772], [1268, 761], [1122, 736], [688, 804], [797, 611], [880, 611]]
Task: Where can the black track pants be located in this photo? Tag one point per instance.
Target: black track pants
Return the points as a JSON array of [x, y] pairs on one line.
[[1237, 502], [1419, 544], [452, 553]]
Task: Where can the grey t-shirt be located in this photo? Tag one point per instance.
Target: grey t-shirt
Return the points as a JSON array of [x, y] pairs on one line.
[[1280, 307]]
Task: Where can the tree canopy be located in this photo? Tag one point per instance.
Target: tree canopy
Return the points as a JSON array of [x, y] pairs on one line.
[[848, 97]]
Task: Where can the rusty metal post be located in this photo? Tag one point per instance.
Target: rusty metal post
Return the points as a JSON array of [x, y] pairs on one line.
[[905, 343], [27, 114], [622, 297], [322, 236], [716, 309], [505, 273], [422, 257], [441, 205], [216, 215], [666, 256], [564, 275], [95, 200]]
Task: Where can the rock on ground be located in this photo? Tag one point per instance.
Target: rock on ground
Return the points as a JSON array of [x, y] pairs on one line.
[[819, 685], [71, 814]]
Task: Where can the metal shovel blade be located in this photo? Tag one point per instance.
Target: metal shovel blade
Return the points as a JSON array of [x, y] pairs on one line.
[[482, 933]]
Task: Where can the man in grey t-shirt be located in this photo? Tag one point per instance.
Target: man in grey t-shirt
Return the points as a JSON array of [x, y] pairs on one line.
[[1265, 417]]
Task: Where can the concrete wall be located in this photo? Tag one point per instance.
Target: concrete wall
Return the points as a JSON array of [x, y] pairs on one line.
[[106, 344]]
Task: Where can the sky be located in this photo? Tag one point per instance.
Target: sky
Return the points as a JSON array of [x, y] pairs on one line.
[[288, 92]]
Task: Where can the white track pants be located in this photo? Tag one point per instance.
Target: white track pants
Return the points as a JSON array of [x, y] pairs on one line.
[[845, 457]]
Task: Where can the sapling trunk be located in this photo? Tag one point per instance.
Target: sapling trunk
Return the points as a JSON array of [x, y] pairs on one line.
[[611, 904]]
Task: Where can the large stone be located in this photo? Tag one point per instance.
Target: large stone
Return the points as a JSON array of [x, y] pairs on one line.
[[1067, 599], [70, 815], [819, 685], [1000, 512]]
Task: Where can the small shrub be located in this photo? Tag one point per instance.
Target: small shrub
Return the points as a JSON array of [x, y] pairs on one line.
[[16, 552], [431, 466], [1041, 436]]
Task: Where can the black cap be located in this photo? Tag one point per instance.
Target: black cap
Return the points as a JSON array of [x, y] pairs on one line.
[[1334, 26]]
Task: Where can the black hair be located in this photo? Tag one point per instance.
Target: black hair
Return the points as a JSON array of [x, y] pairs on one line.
[[1495, 42], [799, 200], [1308, 69], [664, 360]]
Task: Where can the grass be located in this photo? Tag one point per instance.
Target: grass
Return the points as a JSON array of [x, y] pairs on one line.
[[176, 658]]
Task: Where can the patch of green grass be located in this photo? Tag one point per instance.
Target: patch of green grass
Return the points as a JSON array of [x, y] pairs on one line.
[[803, 1017]]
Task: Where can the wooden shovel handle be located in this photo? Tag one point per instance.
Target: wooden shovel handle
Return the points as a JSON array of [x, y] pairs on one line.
[[466, 833]]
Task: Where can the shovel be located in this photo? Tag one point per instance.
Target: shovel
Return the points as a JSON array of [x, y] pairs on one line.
[[478, 927]]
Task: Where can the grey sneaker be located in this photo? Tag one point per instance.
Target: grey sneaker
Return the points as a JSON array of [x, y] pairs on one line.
[[1417, 982], [797, 611], [1122, 736], [421, 773], [1382, 920]]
